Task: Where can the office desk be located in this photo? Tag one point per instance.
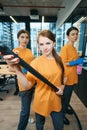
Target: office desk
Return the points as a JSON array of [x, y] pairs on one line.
[[3, 62], [4, 70], [6, 74]]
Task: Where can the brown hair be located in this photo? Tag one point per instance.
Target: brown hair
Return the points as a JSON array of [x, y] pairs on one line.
[[51, 36], [22, 31]]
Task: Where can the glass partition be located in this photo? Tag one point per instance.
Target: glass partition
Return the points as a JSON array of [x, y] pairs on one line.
[[61, 37], [8, 33]]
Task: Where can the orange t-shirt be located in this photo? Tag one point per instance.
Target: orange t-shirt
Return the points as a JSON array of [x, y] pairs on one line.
[[27, 56], [45, 98], [69, 53]]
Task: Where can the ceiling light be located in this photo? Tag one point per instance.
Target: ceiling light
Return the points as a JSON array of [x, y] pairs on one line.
[[82, 19], [13, 19], [42, 22]]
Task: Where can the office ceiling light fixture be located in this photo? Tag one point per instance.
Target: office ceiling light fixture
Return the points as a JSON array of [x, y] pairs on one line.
[[42, 22], [13, 19], [81, 20], [42, 19], [34, 14]]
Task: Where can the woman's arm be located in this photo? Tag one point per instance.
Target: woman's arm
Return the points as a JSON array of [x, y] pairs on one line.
[[15, 67], [61, 88], [24, 82], [75, 62], [65, 80]]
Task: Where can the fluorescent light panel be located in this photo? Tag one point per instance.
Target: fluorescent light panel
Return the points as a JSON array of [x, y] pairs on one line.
[[13, 19], [81, 20]]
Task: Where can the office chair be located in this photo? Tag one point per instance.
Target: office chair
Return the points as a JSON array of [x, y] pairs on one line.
[[2, 83], [3, 80], [1, 99]]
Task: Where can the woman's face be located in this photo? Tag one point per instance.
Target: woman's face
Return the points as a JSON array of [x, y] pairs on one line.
[[73, 36], [23, 39], [46, 46]]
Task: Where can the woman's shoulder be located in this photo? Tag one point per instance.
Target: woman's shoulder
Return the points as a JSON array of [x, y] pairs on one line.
[[37, 60], [17, 48], [28, 49], [66, 46]]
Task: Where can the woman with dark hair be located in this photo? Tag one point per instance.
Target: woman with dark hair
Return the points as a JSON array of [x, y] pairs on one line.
[[26, 95], [69, 53], [46, 100]]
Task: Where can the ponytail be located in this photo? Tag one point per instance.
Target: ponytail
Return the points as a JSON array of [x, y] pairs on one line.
[[59, 62]]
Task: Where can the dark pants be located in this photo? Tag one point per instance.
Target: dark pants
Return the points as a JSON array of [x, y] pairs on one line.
[[67, 96], [57, 119], [16, 86], [26, 98]]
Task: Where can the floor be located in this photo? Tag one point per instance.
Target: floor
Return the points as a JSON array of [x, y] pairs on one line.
[[10, 110]]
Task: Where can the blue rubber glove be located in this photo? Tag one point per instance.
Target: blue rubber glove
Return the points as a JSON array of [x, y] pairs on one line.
[[76, 62], [24, 71]]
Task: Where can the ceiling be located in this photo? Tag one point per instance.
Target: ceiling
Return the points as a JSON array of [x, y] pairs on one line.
[[51, 8], [23, 7]]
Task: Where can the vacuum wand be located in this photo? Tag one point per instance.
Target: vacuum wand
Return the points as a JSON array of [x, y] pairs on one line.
[[6, 51]]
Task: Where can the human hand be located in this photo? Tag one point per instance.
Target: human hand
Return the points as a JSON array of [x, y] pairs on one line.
[[60, 91], [12, 62]]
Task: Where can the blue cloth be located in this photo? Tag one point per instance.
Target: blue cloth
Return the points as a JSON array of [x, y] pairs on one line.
[[24, 70], [76, 62]]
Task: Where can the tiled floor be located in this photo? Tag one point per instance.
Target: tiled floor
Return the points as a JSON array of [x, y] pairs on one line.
[[10, 110]]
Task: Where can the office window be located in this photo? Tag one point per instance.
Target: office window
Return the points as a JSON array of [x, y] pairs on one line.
[[61, 37], [15, 29], [8, 33]]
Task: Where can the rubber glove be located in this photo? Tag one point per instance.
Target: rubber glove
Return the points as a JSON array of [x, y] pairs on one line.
[[76, 62]]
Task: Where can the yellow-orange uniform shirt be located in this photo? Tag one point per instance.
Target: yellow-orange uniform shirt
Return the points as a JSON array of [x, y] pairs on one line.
[[27, 56], [69, 53], [45, 98]]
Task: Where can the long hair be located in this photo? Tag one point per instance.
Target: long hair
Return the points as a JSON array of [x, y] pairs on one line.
[[51, 36]]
